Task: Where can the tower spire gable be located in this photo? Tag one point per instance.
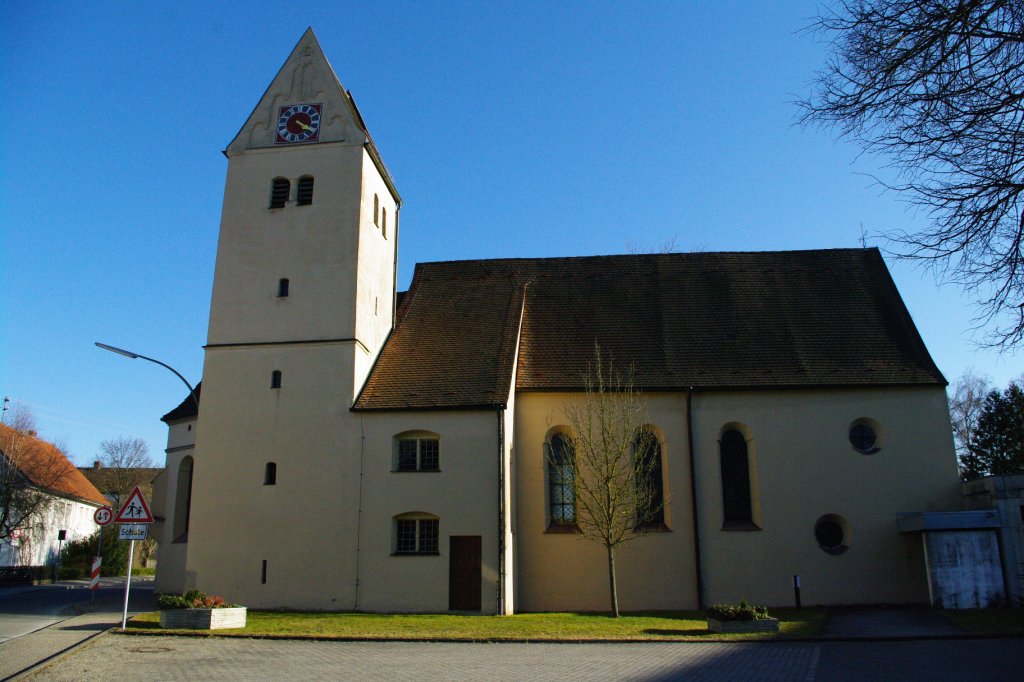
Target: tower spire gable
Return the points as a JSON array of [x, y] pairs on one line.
[[305, 80]]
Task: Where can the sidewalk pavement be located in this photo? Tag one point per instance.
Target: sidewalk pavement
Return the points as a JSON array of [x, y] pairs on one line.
[[28, 651]]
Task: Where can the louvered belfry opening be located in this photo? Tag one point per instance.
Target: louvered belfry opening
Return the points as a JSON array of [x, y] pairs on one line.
[[305, 193], [279, 192]]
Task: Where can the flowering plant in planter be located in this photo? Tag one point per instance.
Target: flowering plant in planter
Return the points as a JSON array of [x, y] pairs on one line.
[[192, 600], [198, 611]]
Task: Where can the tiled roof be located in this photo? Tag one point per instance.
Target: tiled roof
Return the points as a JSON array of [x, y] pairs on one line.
[[701, 320], [46, 467], [186, 408]]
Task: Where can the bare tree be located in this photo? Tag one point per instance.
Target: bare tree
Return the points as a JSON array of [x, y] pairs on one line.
[[937, 88], [30, 471], [612, 463], [121, 457], [965, 408]]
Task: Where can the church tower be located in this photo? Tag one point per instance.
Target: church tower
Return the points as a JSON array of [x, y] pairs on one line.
[[303, 300]]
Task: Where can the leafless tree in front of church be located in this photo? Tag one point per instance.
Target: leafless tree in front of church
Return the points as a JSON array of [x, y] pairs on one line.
[[608, 467]]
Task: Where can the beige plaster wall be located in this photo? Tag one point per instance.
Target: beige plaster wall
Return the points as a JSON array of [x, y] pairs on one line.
[[802, 467], [805, 467], [305, 525], [464, 494], [558, 571]]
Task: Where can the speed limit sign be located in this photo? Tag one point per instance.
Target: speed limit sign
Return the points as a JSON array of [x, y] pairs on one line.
[[103, 515]]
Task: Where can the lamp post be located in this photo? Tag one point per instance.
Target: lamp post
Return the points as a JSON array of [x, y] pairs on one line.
[[134, 356], [191, 392]]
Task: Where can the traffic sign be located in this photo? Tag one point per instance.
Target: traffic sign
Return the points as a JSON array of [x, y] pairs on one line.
[[132, 531], [103, 516], [134, 510]]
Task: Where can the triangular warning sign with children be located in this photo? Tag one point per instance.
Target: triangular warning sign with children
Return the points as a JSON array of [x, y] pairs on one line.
[[134, 510]]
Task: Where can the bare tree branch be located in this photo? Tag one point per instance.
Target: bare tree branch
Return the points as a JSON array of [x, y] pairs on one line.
[[937, 88]]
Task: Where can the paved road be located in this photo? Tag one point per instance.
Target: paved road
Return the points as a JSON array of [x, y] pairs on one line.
[[30, 608], [121, 657]]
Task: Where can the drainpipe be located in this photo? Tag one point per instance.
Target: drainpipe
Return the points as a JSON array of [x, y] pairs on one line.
[[501, 511], [693, 499]]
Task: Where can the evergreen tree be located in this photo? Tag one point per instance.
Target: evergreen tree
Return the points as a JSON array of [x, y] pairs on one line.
[[997, 445]]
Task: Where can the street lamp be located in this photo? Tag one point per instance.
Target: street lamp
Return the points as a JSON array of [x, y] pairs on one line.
[[133, 356]]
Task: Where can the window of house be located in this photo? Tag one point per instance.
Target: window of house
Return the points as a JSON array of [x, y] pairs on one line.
[[561, 496], [282, 288], [419, 453], [384, 222], [736, 507], [270, 474], [376, 210], [416, 535], [279, 191], [275, 379], [304, 191], [650, 489]]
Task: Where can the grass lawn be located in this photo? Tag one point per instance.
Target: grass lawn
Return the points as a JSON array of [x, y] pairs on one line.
[[686, 625], [989, 621]]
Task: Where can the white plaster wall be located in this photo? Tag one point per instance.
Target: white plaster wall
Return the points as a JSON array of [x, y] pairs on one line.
[[464, 494], [305, 525], [39, 543], [171, 555]]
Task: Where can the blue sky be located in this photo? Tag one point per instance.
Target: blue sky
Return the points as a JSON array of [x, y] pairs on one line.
[[511, 129]]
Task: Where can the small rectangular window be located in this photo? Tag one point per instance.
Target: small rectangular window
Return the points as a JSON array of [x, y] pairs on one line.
[[282, 288], [418, 454], [263, 573], [270, 474], [275, 379], [416, 536]]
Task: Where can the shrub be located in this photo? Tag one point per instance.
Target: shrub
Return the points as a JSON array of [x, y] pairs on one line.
[[78, 554], [192, 600], [744, 611]]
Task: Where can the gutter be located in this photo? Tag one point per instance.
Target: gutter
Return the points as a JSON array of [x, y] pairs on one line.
[[693, 500]]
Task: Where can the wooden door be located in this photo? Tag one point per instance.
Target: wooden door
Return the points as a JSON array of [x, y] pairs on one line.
[[464, 579]]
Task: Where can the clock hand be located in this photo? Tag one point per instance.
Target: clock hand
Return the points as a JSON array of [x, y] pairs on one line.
[[302, 125]]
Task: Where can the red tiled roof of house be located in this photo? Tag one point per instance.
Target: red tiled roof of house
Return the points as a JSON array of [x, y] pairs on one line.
[[45, 467], [703, 320]]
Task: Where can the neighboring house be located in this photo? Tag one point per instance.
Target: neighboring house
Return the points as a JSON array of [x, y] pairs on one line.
[[69, 500], [370, 450], [117, 482]]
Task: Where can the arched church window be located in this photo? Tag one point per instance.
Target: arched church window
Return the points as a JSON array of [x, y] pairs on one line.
[[376, 210], [182, 500], [650, 488], [275, 379], [735, 461], [561, 495], [304, 195], [279, 191], [384, 222]]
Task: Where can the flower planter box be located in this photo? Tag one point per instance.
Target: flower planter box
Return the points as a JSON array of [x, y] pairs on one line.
[[203, 619], [768, 625]]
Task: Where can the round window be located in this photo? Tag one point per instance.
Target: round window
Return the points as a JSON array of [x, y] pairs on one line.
[[866, 436], [832, 533]]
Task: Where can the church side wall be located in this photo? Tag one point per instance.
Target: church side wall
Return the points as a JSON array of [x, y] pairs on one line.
[[170, 565], [463, 496], [560, 571], [804, 467]]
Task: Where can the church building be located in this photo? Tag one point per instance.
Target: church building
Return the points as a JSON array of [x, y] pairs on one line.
[[359, 448]]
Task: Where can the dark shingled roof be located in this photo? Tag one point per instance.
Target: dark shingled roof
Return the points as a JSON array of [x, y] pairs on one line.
[[186, 409], [702, 320]]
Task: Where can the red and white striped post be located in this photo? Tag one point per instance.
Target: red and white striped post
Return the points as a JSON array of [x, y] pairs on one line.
[[94, 577]]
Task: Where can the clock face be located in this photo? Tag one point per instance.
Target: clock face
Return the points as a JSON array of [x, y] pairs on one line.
[[298, 123]]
